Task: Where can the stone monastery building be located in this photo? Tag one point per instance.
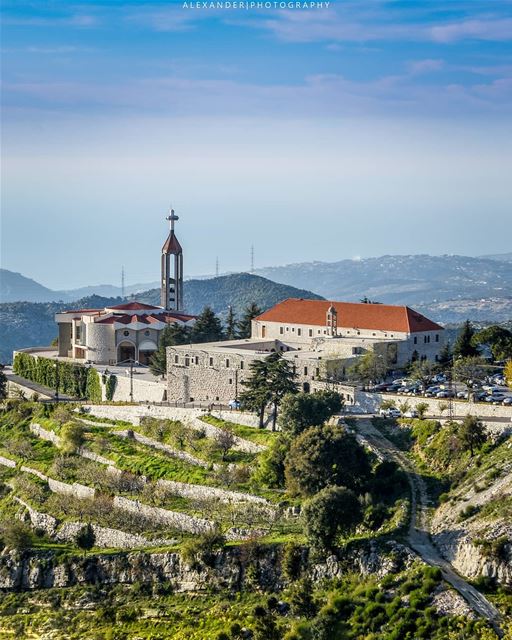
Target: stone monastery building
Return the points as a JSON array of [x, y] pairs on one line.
[[127, 332], [322, 339]]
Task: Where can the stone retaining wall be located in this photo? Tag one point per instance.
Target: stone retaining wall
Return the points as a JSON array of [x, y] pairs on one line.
[[201, 492], [150, 442], [52, 437], [189, 417], [105, 537], [175, 519], [76, 489], [7, 463]]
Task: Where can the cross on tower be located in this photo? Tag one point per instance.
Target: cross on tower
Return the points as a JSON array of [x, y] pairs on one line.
[[172, 217]]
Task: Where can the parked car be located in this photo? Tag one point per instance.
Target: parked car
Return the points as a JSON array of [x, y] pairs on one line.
[[507, 401], [462, 395], [412, 413], [495, 397], [445, 393], [234, 404], [390, 413], [440, 377]]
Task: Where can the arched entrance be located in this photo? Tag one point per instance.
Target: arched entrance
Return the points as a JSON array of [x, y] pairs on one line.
[[125, 351], [146, 350], [306, 387]]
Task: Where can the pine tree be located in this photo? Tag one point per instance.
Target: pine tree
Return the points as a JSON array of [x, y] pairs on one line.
[[257, 394], [245, 324], [85, 538], [464, 346], [172, 334], [231, 324], [3, 385], [280, 380], [472, 434], [207, 327], [445, 356]]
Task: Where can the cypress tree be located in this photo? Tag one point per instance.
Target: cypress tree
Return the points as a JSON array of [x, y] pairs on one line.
[[207, 328], [464, 346], [244, 324]]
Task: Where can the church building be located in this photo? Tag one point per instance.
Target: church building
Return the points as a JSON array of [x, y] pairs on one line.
[[128, 332]]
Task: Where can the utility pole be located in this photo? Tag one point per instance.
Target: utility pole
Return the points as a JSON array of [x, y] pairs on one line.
[[131, 379]]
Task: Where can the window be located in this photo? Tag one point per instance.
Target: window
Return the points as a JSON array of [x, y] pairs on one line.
[[415, 339], [196, 359], [293, 329], [437, 337], [311, 333], [146, 333], [187, 361], [299, 332], [242, 364], [126, 333], [281, 330], [230, 380], [305, 371], [211, 362], [176, 359], [287, 328], [317, 372], [227, 363]]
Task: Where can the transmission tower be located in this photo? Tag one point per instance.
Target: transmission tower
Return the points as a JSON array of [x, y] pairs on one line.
[[122, 282], [252, 258], [217, 267]]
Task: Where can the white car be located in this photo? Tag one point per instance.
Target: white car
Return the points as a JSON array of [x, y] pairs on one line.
[[412, 413], [390, 413]]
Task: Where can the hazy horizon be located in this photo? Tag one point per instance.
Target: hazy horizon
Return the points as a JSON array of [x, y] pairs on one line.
[[361, 130]]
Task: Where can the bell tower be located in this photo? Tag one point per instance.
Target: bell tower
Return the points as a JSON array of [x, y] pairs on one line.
[[171, 293], [332, 321]]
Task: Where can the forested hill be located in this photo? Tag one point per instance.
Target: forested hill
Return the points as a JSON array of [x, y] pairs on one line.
[[236, 290], [31, 324]]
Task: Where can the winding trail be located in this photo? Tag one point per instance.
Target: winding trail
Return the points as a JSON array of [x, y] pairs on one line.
[[418, 535]]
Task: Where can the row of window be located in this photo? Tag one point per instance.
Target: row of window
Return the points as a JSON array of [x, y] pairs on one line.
[[320, 332], [426, 339]]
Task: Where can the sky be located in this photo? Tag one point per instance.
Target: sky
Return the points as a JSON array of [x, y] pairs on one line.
[[356, 129]]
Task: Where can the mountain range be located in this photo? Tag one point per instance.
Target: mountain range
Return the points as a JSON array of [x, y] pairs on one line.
[[24, 324]]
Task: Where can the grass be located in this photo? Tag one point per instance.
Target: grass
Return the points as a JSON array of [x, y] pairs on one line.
[[253, 434]]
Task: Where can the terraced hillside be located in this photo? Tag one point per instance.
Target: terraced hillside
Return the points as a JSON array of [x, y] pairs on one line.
[[199, 528]]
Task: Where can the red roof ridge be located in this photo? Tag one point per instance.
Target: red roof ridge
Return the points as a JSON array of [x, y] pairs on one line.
[[357, 315]]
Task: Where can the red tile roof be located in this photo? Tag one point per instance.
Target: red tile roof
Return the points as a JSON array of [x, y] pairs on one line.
[[133, 306], [171, 245], [353, 315], [126, 318]]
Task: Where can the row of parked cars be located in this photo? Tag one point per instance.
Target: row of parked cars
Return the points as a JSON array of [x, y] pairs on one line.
[[491, 391]]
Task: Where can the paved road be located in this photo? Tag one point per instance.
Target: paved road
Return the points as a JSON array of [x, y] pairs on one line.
[[34, 386], [419, 537]]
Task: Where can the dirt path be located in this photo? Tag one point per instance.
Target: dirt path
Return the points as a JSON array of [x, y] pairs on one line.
[[419, 537]]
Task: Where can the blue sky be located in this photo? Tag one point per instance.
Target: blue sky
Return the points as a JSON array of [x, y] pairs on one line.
[[367, 128]]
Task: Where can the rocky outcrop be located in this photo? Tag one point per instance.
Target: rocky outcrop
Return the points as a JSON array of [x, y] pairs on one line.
[[231, 568]]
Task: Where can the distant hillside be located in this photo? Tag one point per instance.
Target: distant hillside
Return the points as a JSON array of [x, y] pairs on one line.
[[400, 279], [477, 310], [24, 324], [14, 286], [237, 290], [31, 324], [505, 257]]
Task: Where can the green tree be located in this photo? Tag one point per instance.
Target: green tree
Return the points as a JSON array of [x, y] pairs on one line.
[[469, 370], [256, 394], [15, 535], [369, 368], [271, 464], [464, 347], [301, 599], [508, 373], [422, 408], [302, 410], [72, 437], [3, 385], [245, 323], [498, 339], [85, 538], [265, 627], [445, 356], [331, 512], [231, 324], [280, 381], [172, 334], [323, 456], [422, 371], [207, 327], [472, 434]]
